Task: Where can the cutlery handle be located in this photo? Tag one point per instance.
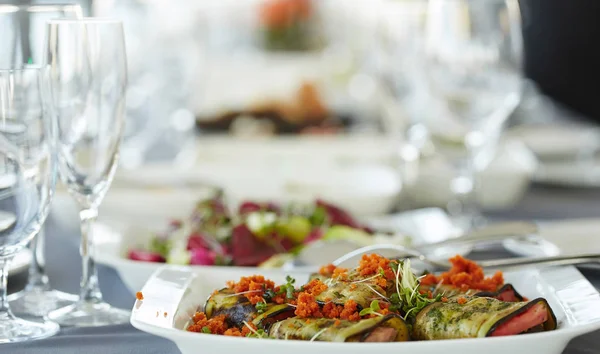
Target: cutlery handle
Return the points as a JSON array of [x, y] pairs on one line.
[[494, 232], [514, 263], [404, 251]]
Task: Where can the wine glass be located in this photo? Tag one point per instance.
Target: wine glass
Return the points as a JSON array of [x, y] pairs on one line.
[[27, 149], [473, 62], [22, 35], [88, 78], [399, 38]]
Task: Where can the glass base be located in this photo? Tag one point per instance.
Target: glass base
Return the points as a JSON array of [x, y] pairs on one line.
[[14, 329], [39, 302], [85, 314]]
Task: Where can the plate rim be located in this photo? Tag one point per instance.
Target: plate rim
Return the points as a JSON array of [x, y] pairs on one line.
[[564, 334]]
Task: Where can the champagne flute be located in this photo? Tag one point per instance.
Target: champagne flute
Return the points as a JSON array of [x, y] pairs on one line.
[[88, 78], [22, 38], [27, 149], [473, 63]]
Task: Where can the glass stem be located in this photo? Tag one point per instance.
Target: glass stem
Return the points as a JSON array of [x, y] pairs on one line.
[[4, 309], [37, 274], [90, 289], [464, 187]]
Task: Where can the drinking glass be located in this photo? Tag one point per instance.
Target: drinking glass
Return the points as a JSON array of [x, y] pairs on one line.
[[473, 62], [22, 35], [27, 149], [88, 78], [398, 39]]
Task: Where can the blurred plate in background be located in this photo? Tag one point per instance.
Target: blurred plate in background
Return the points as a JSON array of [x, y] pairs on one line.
[[562, 237], [357, 172], [566, 152]]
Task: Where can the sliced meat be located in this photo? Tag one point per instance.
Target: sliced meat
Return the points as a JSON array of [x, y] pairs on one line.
[[382, 334], [508, 295], [533, 317]]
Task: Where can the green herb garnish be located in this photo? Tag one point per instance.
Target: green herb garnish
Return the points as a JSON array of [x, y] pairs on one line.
[[206, 330], [373, 309], [410, 301], [261, 307], [269, 295], [288, 288], [259, 333]]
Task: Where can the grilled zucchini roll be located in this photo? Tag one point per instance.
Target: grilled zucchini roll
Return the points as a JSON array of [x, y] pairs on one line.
[[506, 293], [473, 317], [238, 310], [389, 328]]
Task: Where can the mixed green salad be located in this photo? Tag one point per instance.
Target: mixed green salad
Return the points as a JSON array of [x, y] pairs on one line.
[[256, 234]]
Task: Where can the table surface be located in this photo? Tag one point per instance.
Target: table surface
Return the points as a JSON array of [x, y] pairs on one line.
[[62, 258]]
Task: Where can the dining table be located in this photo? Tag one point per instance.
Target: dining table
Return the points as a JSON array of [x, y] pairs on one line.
[[541, 203]]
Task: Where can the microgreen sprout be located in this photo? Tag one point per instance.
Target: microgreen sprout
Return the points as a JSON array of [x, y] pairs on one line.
[[409, 300], [260, 333], [373, 309], [317, 334], [288, 288], [261, 307]]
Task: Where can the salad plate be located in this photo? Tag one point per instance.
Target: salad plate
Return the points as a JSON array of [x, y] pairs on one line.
[[172, 295], [117, 238]]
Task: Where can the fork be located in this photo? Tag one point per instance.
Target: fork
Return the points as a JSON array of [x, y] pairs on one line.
[[498, 264]]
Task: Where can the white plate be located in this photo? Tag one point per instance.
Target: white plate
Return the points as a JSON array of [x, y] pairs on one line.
[[503, 183], [115, 237], [564, 152], [172, 296], [569, 173], [564, 237], [557, 140], [354, 172]]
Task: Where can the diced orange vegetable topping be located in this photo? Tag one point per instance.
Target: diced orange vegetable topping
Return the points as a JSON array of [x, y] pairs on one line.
[[307, 306], [371, 264], [315, 287], [466, 274], [215, 325], [253, 287]]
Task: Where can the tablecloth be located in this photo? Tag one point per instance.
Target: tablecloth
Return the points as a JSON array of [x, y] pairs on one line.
[[63, 266]]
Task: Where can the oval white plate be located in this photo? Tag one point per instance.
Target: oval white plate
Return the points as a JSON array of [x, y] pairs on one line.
[[173, 294]]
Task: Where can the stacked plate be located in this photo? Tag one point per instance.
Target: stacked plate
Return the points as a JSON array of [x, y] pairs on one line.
[[567, 152]]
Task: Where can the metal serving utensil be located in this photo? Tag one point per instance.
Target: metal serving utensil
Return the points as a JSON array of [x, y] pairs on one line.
[[320, 252], [490, 233], [498, 264]]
